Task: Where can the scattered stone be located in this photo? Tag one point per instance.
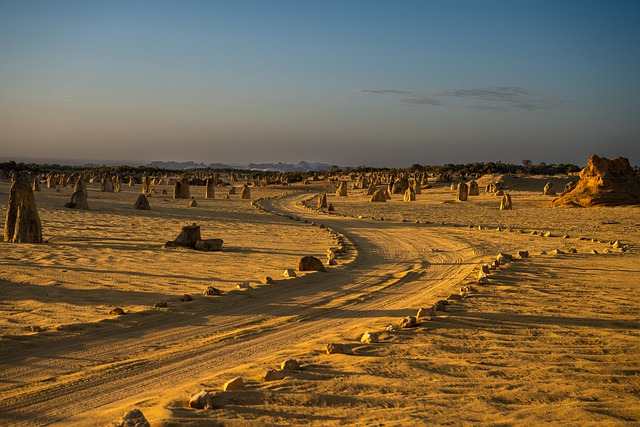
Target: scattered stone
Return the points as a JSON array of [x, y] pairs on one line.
[[557, 252], [548, 189], [116, 311], [474, 190], [245, 193], [594, 252], [617, 244], [332, 262], [243, 285], [331, 208], [505, 203], [289, 272], [608, 251], [35, 328], [454, 297], [193, 203], [310, 263], [133, 418], [79, 197], [142, 203], [186, 298], [233, 384], [379, 196], [426, 312], [273, 375], [369, 337], [522, 254], [22, 224], [160, 304], [484, 268], [543, 252], [407, 322], [290, 365], [202, 400], [482, 281], [392, 328], [441, 305], [267, 280], [342, 189], [548, 234], [462, 192], [211, 291], [322, 201], [190, 237], [209, 245]]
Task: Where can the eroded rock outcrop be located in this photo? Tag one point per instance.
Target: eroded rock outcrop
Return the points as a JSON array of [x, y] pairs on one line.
[[22, 224]]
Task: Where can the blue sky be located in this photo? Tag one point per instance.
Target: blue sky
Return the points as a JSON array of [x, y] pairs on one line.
[[380, 83]]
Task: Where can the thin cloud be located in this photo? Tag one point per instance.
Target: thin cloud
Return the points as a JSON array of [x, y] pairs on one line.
[[513, 97], [421, 101], [387, 91], [413, 98]]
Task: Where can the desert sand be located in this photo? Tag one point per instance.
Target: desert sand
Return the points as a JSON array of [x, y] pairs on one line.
[[553, 339]]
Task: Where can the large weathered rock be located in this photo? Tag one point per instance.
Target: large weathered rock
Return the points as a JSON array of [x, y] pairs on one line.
[[22, 224], [210, 188], [133, 418], [372, 189], [474, 190], [379, 196], [190, 237], [202, 400], [181, 189], [106, 184], [604, 182], [246, 193], [209, 245], [142, 203], [234, 384], [310, 263], [409, 195]]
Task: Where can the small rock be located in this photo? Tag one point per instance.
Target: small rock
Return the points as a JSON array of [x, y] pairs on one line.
[[290, 365], [267, 280], [116, 311], [160, 304], [211, 291], [426, 312], [209, 245], [522, 254], [557, 252], [407, 322], [310, 263], [454, 297], [482, 281], [202, 400], [193, 203], [441, 305], [34, 328], [485, 269], [133, 418], [543, 252], [617, 244], [289, 272], [233, 384], [369, 337], [273, 375], [243, 285], [392, 328], [186, 298], [608, 251], [332, 262], [548, 234], [572, 251], [335, 349]]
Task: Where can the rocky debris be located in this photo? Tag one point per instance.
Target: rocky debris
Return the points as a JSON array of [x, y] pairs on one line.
[[522, 254], [379, 196], [202, 400], [369, 337], [186, 298], [455, 297], [604, 182], [400, 185], [289, 272], [211, 291], [549, 189], [336, 349], [233, 384], [392, 328], [193, 203], [409, 195], [243, 285], [505, 203], [372, 189], [181, 189], [22, 223], [142, 203], [331, 208], [572, 251], [557, 252], [332, 262], [310, 263], [441, 305], [134, 418], [407, 322], [504, 258], [161, 304], [190, 237], [426, 312], [267, 280], [117, 311], [273, 375], [290, 365]]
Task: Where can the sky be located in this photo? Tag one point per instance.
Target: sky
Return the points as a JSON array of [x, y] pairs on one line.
[[344, 82]]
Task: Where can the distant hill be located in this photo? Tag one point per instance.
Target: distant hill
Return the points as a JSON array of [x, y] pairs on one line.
[[289, 167]]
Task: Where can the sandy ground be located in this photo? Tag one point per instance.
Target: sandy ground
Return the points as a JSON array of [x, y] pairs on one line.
[[552, 339]]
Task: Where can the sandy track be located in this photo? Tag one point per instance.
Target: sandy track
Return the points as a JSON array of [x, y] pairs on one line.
[[395, 270]]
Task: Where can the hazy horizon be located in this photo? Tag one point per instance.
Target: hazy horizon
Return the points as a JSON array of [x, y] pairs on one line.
[[381, 84]]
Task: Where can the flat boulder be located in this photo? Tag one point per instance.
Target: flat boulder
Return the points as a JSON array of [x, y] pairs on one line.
[[202, 400], [208, 245], [134, 418]]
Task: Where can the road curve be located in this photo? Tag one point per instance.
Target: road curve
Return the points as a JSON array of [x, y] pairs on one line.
[[393, 269]]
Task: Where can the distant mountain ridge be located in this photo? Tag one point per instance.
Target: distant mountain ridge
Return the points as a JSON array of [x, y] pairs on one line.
[[271, 167]]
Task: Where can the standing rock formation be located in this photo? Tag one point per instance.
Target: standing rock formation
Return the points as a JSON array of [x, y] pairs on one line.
[[505, 203], [372, 189], [322, 201], [190, 237], [106, 184], [52, 181], [210, 188], [22, 223], [36, 183], [310, 263], [473, 188], [462, 192], [79, 197], [400, 186], [246, 193], [181, 189], [146, 182], [379, 196], [342, 189], [409, 195], [416, 187], [142, 203], [549, 190], [604, 182]]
